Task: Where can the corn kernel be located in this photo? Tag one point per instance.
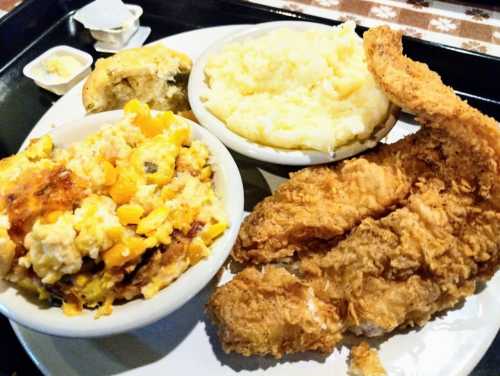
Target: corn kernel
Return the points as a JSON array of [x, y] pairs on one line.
[[136, 107], [130, 214], [161, 179], [40, 148], [180, 135], [51, 217], [81, 280], [167, 193], [110, 173], [163, 233], [212, 232], [115, 233], [71, 309], [152, 221], [106, 308], [197, 251], [122, 253], [206, 173], [125, 187], [182, 218], [114, 256]]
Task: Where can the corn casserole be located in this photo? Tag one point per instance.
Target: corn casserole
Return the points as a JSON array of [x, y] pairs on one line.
[[116, 216]]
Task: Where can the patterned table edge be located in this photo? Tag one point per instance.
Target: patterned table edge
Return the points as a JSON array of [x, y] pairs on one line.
[[453, 24]]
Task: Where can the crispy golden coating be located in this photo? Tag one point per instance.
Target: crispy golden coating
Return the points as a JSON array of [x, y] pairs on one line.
[[365, 361], [36, 193], [321, 203], [401, 261], [418, 260], [272, 312], [413, 86]]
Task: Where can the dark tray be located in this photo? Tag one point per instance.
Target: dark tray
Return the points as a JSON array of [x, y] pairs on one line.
[[37, 25]]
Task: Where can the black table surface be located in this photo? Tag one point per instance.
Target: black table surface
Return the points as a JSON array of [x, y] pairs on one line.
[[46, 23]]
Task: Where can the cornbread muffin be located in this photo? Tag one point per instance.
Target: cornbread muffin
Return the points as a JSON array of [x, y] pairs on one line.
[[155, 75]]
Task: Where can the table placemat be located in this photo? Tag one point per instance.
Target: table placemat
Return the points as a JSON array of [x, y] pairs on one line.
[[474, 28]]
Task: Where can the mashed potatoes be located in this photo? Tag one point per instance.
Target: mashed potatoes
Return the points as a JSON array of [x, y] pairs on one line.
[[296, 89]]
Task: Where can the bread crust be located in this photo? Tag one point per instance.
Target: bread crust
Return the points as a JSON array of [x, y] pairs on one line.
[[153, 74]]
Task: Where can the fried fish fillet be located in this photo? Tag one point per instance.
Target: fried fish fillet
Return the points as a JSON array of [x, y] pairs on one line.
[[395, 266]]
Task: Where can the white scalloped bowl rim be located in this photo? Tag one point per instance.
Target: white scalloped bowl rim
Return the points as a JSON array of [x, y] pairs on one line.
[[138, 312], [197, 85]]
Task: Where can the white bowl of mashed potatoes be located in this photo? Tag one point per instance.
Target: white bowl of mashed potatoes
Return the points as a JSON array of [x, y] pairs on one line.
[[99, 237], [290, 92]]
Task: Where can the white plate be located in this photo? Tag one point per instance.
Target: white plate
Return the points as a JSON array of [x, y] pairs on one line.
[[184, 343], [197, 85], [139, 312]]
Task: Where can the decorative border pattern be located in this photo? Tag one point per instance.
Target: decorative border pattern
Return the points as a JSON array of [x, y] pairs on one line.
[[451, 23]]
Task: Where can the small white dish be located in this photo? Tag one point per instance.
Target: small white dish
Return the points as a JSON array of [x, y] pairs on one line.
[[197, 85], [51, 82], [137, 40], [139, 312], [118, 37]]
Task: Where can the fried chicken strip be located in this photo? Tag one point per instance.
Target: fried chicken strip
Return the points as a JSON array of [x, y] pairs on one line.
[[425, 255], [323, 203], [273, 312]]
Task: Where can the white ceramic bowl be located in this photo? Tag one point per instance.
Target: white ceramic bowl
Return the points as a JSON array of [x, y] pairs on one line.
[[59, 85], [138, 312], [197, 85]]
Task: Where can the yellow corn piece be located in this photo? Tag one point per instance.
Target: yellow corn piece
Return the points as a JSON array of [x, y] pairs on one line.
[[51, 217], [122, 191], [106, 308], [183, 217], [152, 221], [206, 173], [150, 242], [136, 107], [196, 251], [115, 233], [180, 135], [167, 193], [122, 253], [81, 280], [40, 148], [130, 214], [161, 179], [163, 233], [71, 309], [213, 231], [116, 255], [110, 173], [150, 126], [125, 187]]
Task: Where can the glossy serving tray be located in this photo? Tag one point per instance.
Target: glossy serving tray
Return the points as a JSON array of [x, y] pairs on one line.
[[37, 25]]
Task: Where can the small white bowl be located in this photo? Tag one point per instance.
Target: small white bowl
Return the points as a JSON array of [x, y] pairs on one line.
[[50, 82], [197, 85], [139, 312], [117, 37]]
